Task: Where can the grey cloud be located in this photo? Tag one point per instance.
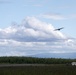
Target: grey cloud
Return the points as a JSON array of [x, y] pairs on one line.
[[36, 48]]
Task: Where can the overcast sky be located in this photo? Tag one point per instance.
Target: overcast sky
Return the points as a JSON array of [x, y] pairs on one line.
[[27, 26]]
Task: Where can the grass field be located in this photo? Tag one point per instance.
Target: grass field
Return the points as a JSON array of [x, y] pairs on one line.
[[38, 70]]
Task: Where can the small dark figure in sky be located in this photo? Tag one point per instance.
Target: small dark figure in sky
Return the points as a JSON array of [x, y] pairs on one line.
[[58, 29]]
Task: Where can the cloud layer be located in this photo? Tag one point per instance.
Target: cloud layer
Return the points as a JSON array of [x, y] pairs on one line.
[[4, 1], [53, 16], [31, 30], [33, 37]]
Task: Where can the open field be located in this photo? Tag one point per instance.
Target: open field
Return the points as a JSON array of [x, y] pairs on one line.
[[36, 66], [41, 69]]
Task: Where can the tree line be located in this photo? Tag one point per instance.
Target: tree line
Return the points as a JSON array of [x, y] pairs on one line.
[[34, 60]]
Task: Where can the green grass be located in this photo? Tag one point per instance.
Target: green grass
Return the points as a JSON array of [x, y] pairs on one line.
[[39, 70]]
